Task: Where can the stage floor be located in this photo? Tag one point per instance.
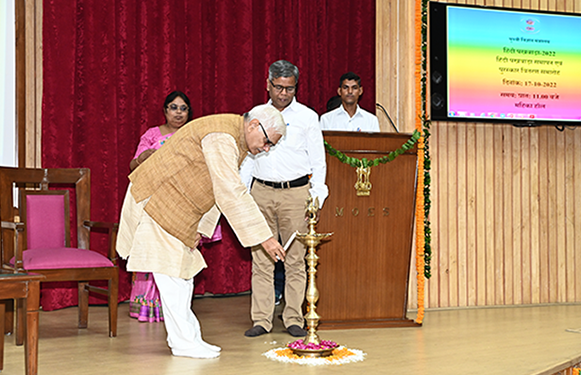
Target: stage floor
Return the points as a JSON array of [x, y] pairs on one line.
[[511, 340]]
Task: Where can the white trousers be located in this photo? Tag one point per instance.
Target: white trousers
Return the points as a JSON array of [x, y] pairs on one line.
[[181, 324]]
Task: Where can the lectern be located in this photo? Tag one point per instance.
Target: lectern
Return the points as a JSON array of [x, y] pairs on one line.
[[364, 268]]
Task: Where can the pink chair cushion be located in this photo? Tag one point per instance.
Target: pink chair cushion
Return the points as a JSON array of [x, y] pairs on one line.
[[45, 221], [62, 257]]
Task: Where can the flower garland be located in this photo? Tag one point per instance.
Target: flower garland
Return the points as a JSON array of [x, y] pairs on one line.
[[427, 159], [364, 162], [423, 233], [340, 356]]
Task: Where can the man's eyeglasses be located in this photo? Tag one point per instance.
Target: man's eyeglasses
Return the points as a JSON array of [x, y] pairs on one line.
[[268, 141], [279, 88], [175, 107]]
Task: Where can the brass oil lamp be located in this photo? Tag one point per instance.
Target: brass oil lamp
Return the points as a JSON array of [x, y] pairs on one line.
[[312, 240]]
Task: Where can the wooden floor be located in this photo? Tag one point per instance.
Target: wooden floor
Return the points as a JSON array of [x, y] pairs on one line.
[[512, 340]]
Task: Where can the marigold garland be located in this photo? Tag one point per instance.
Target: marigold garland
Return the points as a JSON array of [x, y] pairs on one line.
[[423, 254]]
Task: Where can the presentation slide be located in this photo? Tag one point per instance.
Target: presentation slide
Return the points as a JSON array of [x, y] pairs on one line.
[[505, 64]]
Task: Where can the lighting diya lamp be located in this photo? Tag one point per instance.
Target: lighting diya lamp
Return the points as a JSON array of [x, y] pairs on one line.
[[312, 345]]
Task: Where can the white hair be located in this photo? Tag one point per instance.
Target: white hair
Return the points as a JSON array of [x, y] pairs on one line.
[[269, 117]]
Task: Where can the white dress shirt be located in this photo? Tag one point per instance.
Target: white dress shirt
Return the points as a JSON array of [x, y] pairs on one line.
[[339, 119], [301, 152]]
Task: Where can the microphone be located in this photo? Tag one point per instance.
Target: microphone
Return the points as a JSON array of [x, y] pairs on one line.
[[388, 117]]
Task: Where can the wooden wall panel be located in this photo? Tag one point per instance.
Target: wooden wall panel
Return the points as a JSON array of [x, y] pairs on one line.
[[394, 36], [29, 82], [576, 207], [506, 213]]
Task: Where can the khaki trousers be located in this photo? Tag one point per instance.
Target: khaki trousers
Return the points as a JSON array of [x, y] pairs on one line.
[[284, 211]]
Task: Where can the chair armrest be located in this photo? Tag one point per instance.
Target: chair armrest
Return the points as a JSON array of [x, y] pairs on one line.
[[17, 227], [101, 224], [111, 229], [13, 225]]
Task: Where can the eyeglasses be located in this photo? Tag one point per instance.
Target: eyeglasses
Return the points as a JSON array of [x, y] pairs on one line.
[[268, 141], [279, 88], [175, 107]]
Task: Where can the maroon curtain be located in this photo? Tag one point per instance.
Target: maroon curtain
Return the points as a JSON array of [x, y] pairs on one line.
[[108, 65]]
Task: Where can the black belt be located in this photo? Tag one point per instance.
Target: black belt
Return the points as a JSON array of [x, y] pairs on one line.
[[301, 181]]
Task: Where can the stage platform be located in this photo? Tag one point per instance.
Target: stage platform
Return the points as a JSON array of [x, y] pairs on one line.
[[509, 340]]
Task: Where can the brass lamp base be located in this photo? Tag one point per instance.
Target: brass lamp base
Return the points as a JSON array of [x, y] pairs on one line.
[[313, 352]]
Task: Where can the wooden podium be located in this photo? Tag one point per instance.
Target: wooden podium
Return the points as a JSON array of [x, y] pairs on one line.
[[364, 267]]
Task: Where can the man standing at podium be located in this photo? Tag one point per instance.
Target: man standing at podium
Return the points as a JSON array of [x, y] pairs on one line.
[[282, 182], [349, 116]]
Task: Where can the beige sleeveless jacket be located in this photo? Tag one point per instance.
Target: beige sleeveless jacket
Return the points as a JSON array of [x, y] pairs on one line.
[[177, 180]]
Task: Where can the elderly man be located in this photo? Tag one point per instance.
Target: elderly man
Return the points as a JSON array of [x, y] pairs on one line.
[[178, 193], [283, 180], [349, 116]]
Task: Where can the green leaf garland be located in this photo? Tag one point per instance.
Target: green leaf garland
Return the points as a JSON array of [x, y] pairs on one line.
[[364, 162]]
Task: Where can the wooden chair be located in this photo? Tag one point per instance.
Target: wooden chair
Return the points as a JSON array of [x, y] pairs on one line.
[[41, 243]]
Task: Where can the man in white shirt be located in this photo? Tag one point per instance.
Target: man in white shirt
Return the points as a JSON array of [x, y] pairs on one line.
[[282, 182], [349, 116]]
